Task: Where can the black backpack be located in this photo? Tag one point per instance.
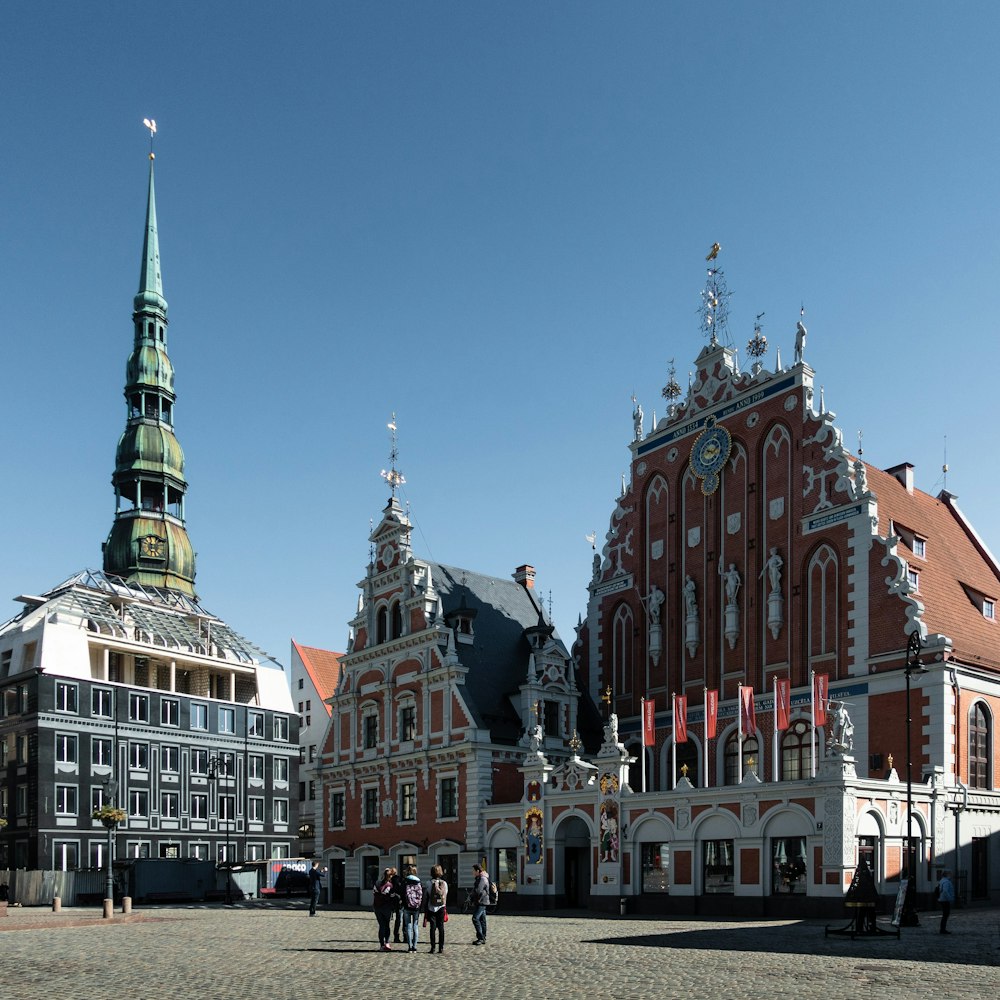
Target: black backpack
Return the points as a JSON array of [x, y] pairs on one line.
[[437, 896]]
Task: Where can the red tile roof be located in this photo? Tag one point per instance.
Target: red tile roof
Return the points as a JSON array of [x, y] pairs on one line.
[[323, 667], [956, 562]]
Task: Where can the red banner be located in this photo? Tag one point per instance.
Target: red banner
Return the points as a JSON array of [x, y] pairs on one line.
[[680, 718], [711, 713], [649, 723], [749, 717], [782, 702], [821, 694]]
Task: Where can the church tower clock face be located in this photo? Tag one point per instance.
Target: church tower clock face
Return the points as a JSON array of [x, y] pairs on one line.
[[709, 454]]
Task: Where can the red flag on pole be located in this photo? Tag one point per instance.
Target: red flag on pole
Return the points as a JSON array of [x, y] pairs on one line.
[[649, 723], [782, 702], [821, 694], [680, 718], [711, 713], [749, 717]]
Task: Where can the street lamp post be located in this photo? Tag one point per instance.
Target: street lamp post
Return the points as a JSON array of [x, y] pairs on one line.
[[909, 918], [217, 765], [111, 790]]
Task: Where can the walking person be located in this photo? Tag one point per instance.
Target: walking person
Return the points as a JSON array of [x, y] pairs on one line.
[[437, 913], [384, 900], [479, 898], [315, 886], [413, 905], [946, 896]]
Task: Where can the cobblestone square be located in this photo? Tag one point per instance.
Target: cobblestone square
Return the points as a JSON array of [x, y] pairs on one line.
[[277, 951]]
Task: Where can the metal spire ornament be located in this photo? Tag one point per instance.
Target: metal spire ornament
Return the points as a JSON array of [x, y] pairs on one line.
[[150, 123], [393, 476], [714, 310], [671, 390], [757, 347]]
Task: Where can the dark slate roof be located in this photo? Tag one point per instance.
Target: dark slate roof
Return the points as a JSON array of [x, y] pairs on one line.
[[498, 659]]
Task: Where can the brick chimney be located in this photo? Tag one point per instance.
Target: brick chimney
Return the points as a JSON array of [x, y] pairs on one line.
[[525, 576]]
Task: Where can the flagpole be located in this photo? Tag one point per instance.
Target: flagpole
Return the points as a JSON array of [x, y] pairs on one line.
[[812, 703], [642, 719], [673, 749], [774, 746], [739, 734], [704, 698]]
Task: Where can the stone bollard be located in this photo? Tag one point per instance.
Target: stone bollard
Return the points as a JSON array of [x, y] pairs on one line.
[[126, 904], [109, 909], [56, 904]]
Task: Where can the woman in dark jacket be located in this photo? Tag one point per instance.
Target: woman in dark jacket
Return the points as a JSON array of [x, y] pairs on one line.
[[385, 899]]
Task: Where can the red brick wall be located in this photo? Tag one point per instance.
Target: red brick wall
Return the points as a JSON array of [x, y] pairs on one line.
[[749, 866], [681, 862]]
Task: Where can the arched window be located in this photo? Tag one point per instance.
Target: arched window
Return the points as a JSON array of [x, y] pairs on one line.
[[397, 620], [822, 578], [751, 758], [979, 747], [381, 619], [622, 649], [796, 752]]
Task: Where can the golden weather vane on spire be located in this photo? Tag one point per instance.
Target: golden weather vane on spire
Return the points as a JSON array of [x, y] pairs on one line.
[[150, 123], [393, 476]]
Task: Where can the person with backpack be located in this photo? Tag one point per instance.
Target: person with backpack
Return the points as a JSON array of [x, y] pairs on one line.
[[384, 899], [479, 897], [437, 914], [413, 904]]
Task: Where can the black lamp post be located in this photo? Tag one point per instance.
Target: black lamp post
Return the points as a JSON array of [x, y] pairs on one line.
[[217, 766], [909, 918], [111, 789]]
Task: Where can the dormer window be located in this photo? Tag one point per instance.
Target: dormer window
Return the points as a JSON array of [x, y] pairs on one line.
[[919, 547], [913, 578], [987, 606]]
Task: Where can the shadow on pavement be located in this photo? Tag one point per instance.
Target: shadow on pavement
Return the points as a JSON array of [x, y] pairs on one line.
[[975, 946]]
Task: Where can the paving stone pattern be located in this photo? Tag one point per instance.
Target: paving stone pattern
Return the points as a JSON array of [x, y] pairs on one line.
[[278, 951]]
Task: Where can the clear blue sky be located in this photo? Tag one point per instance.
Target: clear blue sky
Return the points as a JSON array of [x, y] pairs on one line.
[[491, 218]]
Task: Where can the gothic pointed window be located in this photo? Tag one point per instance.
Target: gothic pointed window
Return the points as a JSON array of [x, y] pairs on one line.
[[823, 580], [397, 620], [622, 640], [381, 624]]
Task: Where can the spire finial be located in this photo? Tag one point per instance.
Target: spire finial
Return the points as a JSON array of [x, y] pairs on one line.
[[393, 476], [670, 391], [714, 308], [150, 123]]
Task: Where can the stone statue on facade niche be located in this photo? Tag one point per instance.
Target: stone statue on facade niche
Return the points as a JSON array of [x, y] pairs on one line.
[[535, 739], [611, 730], [690, 597], [842, 735], [654, 602], [732, 578], [637, 421], [773, 569]]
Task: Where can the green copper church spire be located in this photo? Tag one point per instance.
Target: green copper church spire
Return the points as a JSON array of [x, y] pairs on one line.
[[148, 543]]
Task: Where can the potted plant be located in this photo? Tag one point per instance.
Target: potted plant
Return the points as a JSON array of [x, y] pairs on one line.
[[110, 816]]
